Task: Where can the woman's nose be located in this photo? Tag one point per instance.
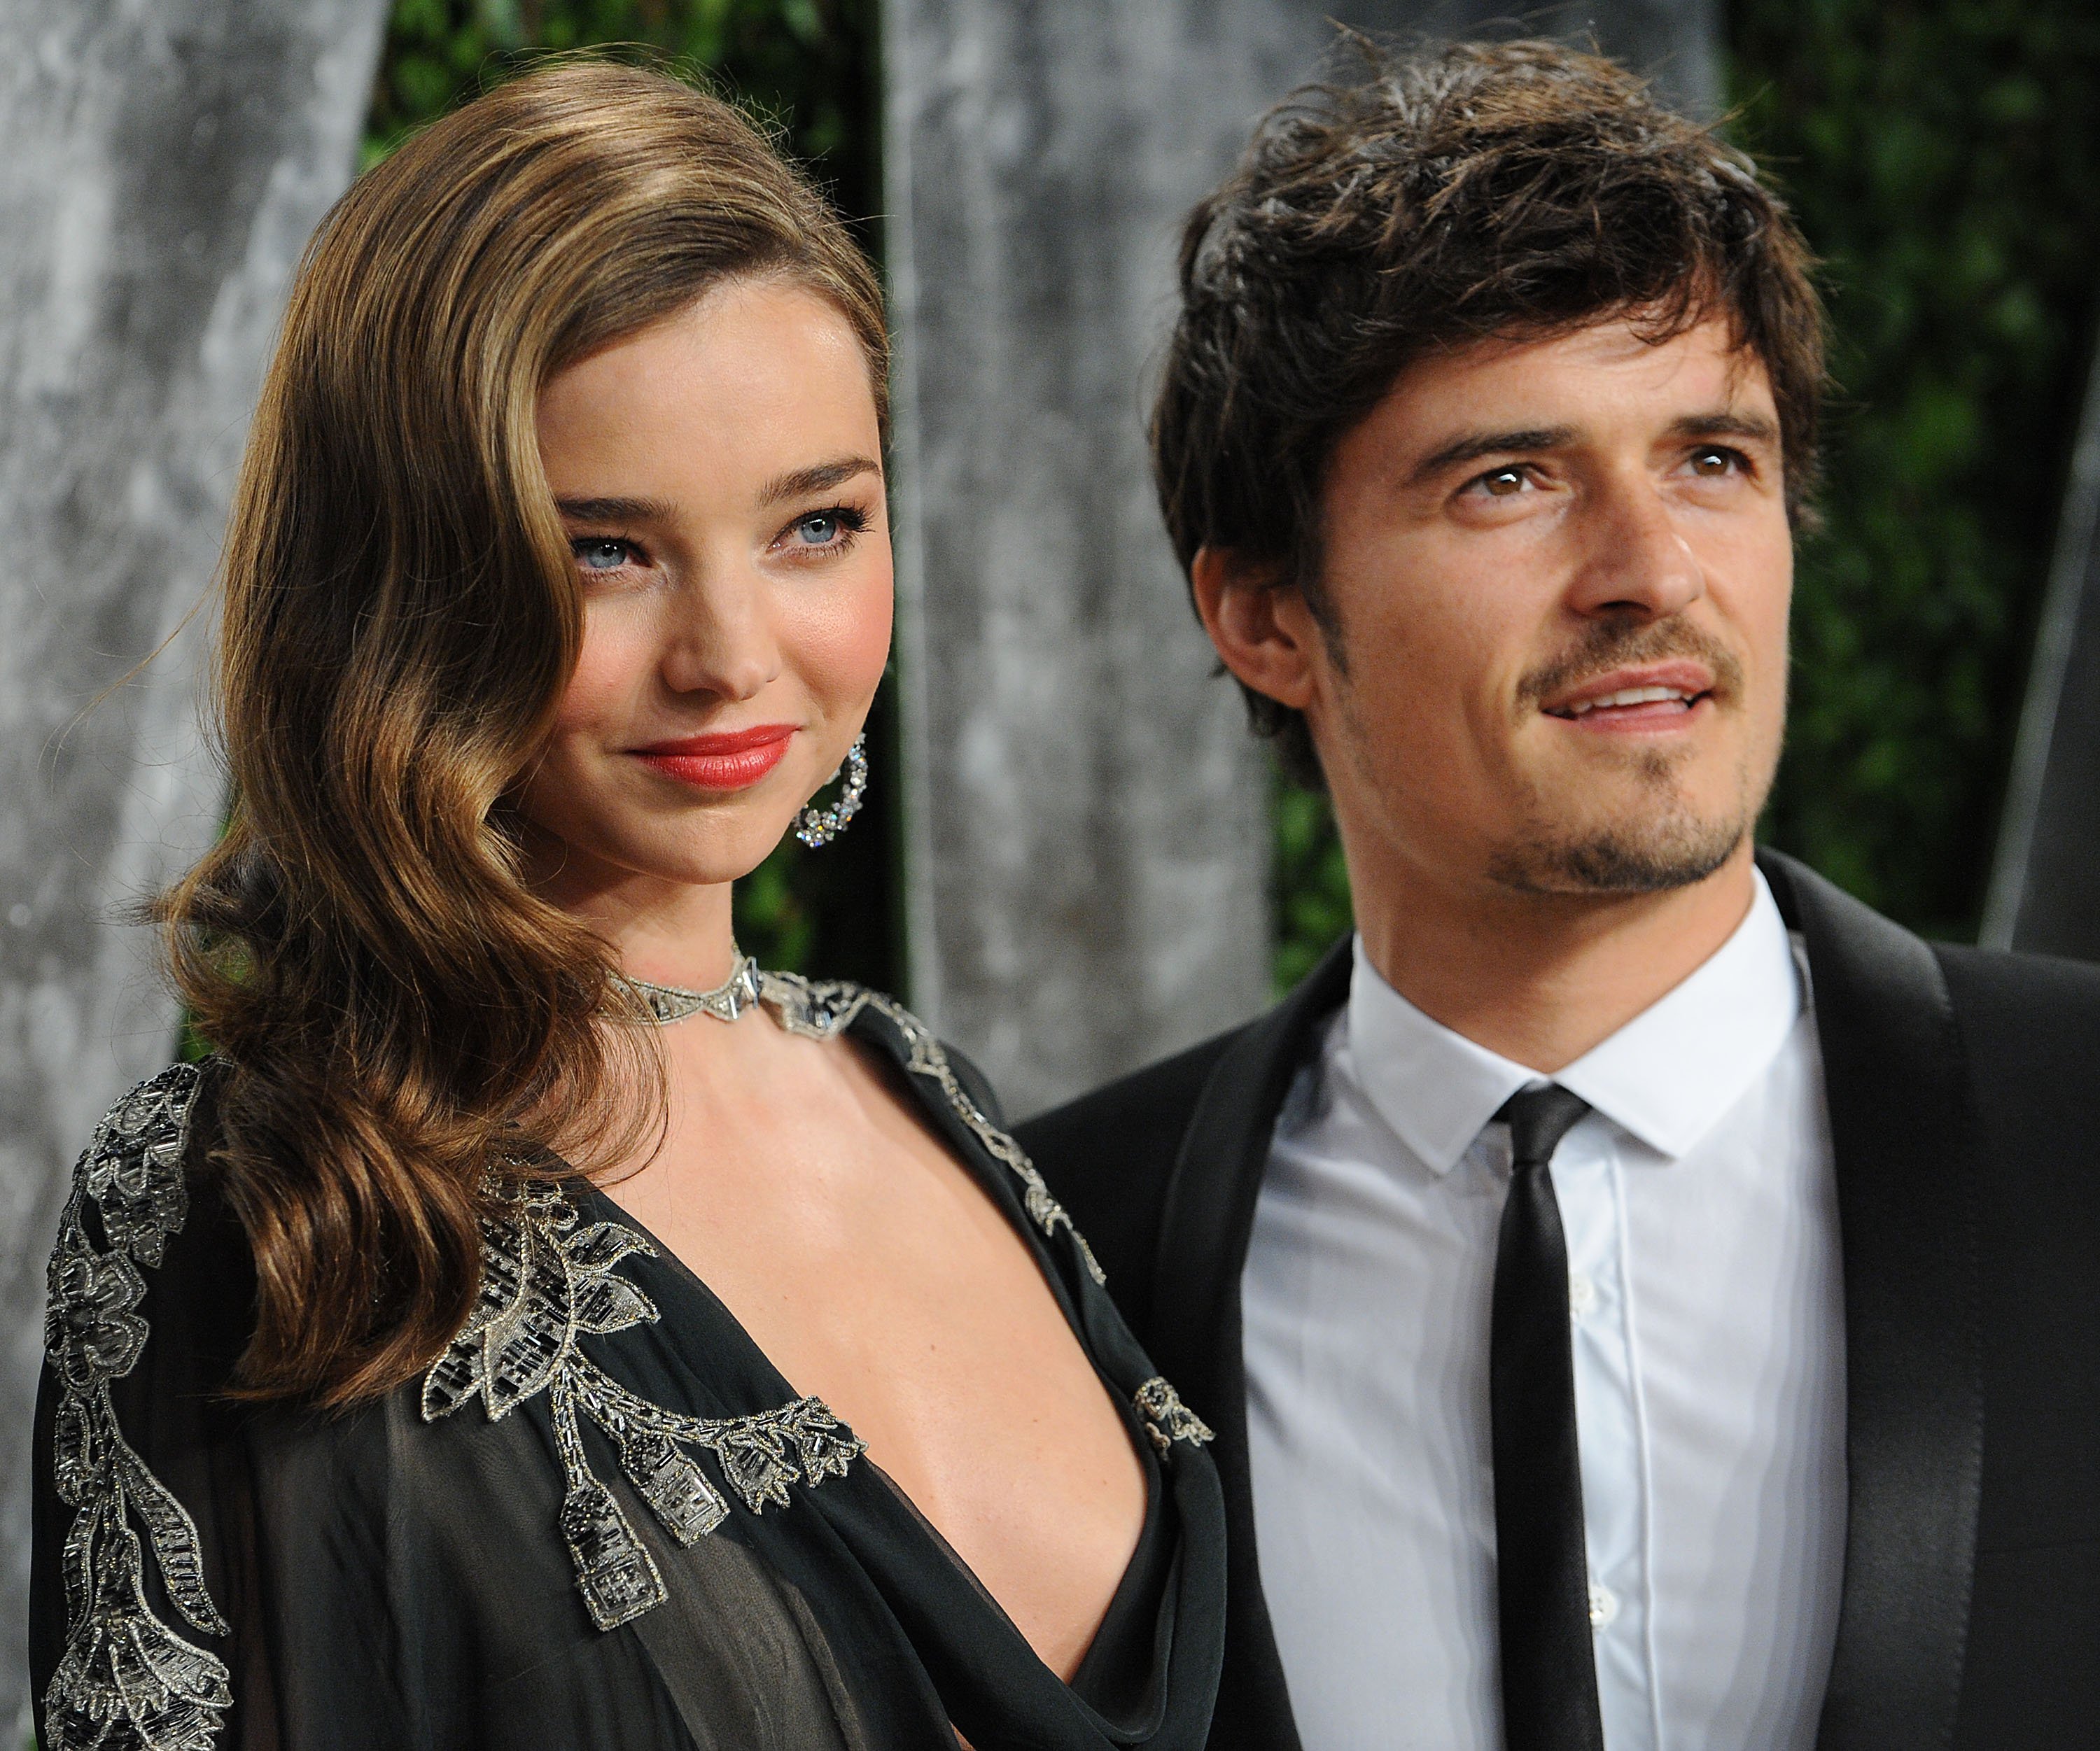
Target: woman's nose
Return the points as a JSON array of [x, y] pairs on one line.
[[721, 640]]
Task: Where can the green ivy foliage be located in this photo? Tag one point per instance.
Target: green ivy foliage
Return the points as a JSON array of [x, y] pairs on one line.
[[1309, 884], [806, 67], [1945, 162], [806, 64]]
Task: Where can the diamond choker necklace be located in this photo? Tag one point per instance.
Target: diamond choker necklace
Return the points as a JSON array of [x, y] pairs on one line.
[[727, 1001]]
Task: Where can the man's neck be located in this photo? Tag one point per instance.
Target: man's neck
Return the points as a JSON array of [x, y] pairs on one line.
[[1541, 978]]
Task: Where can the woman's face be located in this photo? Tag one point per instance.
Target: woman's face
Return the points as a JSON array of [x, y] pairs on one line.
[[720, 478]]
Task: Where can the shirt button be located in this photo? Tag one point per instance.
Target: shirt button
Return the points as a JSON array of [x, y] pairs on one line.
[[1603, 1606], [1581, 1294]]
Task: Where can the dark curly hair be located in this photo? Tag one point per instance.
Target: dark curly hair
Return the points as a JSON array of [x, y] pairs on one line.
[[1448, 196]]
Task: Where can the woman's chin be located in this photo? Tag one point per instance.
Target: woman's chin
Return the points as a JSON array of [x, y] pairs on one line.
[[572, 870], [709, 860]]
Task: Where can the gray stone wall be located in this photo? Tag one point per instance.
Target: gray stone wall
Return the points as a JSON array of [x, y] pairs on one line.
[[1087, 835], [164, 166]]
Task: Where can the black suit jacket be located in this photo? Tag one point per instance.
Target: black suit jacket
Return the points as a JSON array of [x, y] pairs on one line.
[[1964, 1094]]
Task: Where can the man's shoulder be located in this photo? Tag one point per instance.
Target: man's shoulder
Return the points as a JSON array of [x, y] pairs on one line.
[[2018, 1016], [1120, 1138], [1108, 1156], [2029, 1022], [1996, 976], [1127, 1115]]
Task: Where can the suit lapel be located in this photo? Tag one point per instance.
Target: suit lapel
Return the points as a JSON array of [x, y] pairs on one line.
[[1207, 1220], [1897, 1087]]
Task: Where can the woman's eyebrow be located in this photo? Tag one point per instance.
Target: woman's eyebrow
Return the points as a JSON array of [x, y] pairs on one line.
[[803, 482], [820, 478], [613, 510]]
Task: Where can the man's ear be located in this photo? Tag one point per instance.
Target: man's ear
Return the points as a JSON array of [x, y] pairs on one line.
[[1263, 631]]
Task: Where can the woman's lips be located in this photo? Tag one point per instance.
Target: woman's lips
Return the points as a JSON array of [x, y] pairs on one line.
[[733, 759]]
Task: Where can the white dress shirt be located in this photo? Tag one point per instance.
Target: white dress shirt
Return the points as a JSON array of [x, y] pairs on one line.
[[1700, 1205]]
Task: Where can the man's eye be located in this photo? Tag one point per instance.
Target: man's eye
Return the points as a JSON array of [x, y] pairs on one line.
[[1504, 483], [1713, 465], [599, 554]]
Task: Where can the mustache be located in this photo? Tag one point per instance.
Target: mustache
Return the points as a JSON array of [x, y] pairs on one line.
[[1606, 645]]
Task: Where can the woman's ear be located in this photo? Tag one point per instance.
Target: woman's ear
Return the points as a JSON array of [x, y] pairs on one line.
[[1263, 631]]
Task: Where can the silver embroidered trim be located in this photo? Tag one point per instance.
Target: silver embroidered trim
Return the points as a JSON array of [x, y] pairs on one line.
[[549, 1279], [126, 1681], [1166, 1419], [822, 1010]]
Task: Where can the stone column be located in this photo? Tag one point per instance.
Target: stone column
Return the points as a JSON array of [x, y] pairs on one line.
[[1086, 820], [165, 164], [2045, 895]]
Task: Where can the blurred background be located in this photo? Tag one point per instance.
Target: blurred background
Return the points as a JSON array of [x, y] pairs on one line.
[[1073, 859]]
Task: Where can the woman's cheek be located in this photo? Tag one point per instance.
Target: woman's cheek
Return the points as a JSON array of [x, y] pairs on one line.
[[843, 646], [611, 669]]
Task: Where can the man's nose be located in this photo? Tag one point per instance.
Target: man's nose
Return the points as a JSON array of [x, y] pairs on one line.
[[1638, 562], [722, 640]]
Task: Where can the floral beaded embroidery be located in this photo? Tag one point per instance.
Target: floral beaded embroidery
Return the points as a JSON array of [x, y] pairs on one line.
[[1166, 1419], [126, 1681], [548, 1280]]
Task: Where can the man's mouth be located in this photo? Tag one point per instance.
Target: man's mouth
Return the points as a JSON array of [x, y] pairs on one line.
[[1666, 695], [1630, 696]]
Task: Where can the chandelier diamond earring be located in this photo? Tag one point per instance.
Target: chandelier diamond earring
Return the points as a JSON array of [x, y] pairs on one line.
[[816, 826]]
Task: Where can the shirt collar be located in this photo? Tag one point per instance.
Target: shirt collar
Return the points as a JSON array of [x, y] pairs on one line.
[[1666, 1077]]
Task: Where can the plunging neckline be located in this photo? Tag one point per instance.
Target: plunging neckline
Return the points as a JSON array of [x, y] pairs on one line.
[[761, 1368], [1143, 1597]]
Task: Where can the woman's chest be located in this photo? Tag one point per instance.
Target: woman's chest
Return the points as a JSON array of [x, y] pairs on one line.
[[875, 1272]]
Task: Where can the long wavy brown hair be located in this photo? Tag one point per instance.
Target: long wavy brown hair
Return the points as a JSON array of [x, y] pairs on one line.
[[392, 1006]]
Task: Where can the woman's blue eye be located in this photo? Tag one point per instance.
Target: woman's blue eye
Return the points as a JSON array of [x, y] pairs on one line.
[[820, 528], [603, 555]]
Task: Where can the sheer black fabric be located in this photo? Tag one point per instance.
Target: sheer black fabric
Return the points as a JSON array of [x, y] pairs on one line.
[[399, 1577]]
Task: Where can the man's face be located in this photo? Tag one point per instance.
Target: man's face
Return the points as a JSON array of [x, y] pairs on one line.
[[1559, 574]]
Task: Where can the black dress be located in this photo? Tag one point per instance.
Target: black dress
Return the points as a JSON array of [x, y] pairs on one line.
[[602, 1521]]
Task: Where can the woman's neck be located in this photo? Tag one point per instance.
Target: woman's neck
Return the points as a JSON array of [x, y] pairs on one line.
[[672, 932]]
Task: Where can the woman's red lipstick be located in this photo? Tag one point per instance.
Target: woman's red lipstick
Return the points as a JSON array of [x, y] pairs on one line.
[[735, 759]]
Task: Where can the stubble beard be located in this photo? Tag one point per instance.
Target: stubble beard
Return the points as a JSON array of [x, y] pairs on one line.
[[1659, 846], [1660, 843], [1655, 841]]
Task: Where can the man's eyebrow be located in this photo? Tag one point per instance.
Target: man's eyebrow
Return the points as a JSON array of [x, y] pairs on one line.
[[1475, 445], [1722, 422], [1725, 422], [613, 510], [821, 478]]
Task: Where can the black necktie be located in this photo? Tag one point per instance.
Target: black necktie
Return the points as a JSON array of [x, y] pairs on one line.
[[1542, 1565]]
